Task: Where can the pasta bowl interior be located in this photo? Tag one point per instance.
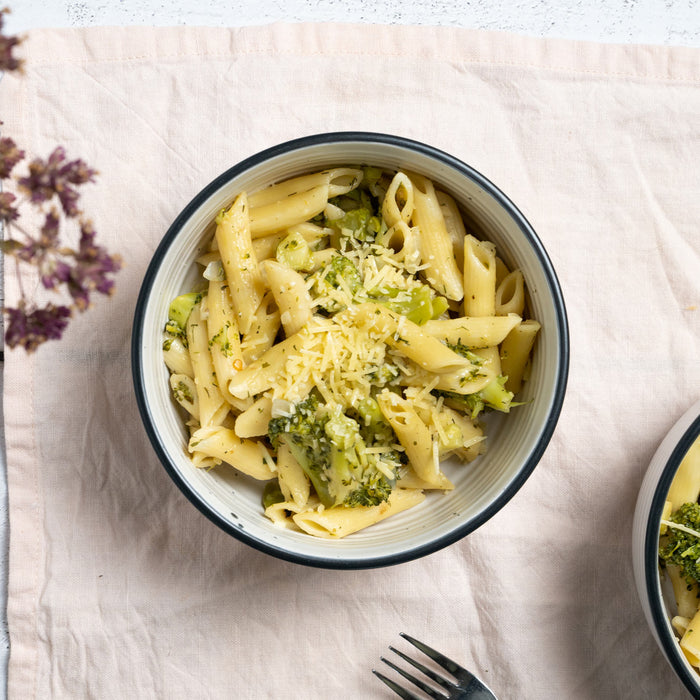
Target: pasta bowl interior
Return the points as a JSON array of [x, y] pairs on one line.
[[666, 503], [457, 497]]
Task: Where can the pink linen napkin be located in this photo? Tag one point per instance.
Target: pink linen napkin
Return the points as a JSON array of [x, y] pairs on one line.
[[119, 588]]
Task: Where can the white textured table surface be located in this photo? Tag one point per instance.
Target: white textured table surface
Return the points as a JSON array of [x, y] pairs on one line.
[[670, 22], [620, 21]]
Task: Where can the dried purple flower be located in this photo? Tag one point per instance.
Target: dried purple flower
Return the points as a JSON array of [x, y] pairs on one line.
[[29, 328], [8, 62], [61, 269], [8, 212], [10, 155], [95, 261], [56, 176]]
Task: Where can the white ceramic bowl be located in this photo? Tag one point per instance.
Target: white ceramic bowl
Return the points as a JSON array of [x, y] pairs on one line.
[[516, 441], [657, 597]]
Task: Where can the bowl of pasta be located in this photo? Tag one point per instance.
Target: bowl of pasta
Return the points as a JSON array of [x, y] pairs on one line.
[[666, 547], [350, 350]]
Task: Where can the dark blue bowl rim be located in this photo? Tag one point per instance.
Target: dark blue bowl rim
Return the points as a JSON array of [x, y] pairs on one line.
[[651, 557], [554, 288]]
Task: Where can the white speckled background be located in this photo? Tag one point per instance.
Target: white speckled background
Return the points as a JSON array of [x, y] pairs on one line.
[[621, 21], [668, 22]]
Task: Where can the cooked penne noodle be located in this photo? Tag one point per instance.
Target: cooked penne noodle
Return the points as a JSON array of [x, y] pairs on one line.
[[261, 336], [291, 295], [294, 209], [295, 201], [502, 271], [254, 420], [223, 337], [404, 241], [184, 391], [294, 483], [334, 523], [281, 514], [177, 357], [475, 332], [454, 225], [409, 339], [690, 641], [515, 352], [415, 438], [398, 201], [266, 248], [239, 262], [479, 277], [436, 246], [261, 374], [222, 443], [337, 180], [212, 405], [510, 295], [491, 358]]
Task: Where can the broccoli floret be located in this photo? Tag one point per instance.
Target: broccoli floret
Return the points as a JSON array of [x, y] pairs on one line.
[[304, 434], [374, 428], [340, 266], [681, 547], [178, 314], [494, 396], [417, 304], [374, 489], [358, 198], [294, 251], [371, 176], [339, 273], [331, 450], [359, 482], [359, 224], [272, 493]]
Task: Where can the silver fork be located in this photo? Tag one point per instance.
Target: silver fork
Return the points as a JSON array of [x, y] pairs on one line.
[[465, 685]]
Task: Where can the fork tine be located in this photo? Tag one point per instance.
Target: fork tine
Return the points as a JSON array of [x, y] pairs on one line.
[[416, 681], [440, 680], [455, 669], [400, 691]]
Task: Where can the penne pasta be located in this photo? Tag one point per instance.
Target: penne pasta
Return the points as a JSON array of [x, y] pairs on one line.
[[177, 357], [212, 406], [297, 200], [515, 352], [334, 523], [223, 444], [398, 202], [254, 420], [223, 337], [454, 225], [262, 333], [475, 332], [411, 341], [510, 295], [233, 236], [291, 296], [415, 438], [293, 482], [479, 278], [437, 252]]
